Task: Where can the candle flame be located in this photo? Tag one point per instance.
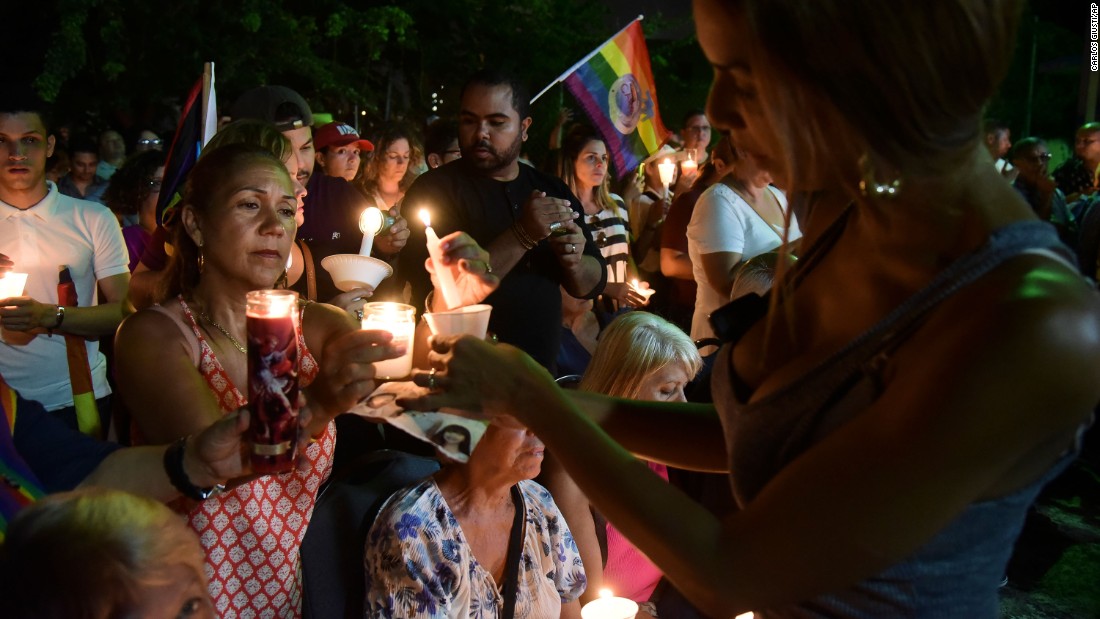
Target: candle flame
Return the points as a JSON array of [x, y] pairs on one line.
[[371, 221], [425, 217], [605, 593]]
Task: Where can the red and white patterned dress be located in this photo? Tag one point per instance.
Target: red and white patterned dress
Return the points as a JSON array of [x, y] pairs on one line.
[[252, 534]]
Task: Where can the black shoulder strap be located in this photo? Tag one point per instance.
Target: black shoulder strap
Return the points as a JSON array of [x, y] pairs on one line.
[[515, 555]]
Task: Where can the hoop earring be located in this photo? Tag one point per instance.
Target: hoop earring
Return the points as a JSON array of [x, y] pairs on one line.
[[201, 260], [869, 185]]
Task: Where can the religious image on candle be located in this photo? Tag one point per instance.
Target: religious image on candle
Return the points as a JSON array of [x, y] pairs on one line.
[[272, 318], [400, 321], [443, 273]]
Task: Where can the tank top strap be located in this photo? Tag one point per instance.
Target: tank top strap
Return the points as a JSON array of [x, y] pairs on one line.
[[872, 347], [1005, 243], [229, 397], [307, 364]]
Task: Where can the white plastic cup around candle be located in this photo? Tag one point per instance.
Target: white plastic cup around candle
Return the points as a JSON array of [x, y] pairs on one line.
[[12, 284], [666, 169], [610, 607], [443, 274], [470, 320], [400, 320]]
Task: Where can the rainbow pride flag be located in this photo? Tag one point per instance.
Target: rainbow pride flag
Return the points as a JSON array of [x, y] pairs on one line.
[[614, 85]]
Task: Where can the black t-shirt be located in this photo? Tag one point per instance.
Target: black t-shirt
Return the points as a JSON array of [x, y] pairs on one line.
[[527, 306], [332, 209]]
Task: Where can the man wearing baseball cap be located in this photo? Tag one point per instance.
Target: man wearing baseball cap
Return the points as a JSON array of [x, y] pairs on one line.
[[332, 204], [338, 149]]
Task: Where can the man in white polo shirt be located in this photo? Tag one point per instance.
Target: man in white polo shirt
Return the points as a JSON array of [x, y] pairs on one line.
[[40, 232]]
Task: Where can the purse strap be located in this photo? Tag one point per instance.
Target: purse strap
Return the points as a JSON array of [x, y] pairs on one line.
[[310, 271], [515, 555]]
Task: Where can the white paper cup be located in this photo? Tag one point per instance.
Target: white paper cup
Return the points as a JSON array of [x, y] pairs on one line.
[[470, 320], [12, 284]]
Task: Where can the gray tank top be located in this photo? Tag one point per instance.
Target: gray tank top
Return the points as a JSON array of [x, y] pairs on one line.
[[956, 573]]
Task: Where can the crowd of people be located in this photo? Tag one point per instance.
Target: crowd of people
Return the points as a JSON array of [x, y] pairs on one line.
[[767, 383]]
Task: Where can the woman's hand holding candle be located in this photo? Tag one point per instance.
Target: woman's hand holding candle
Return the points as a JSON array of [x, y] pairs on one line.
[[393, 239], [347, 373], [629, 295]]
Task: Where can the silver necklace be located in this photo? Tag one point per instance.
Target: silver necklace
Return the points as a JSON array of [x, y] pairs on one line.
[[233, 340]]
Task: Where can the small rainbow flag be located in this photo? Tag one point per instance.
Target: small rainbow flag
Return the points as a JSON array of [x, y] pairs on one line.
[[614, 85]]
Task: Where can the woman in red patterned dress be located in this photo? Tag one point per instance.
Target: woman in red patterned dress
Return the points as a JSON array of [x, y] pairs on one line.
[[182, 365]]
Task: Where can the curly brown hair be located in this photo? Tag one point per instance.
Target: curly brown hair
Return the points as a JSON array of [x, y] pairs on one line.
[[130, 184]]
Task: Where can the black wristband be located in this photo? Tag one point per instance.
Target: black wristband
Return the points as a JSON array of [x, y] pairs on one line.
[[173, 466]]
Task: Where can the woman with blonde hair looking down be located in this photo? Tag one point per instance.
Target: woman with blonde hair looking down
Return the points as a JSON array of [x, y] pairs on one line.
[[117, 555], [643, 357], [928, 312]]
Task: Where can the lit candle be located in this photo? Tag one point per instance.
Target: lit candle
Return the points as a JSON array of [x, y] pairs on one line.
[[688, 167], [442, 272], [370, 222], [636, 287], [666, 169], [609, 607], [11, 285], [399, 320], [272, 328]]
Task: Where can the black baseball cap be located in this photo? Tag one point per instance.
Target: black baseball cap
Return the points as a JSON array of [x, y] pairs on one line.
[[278, 105]]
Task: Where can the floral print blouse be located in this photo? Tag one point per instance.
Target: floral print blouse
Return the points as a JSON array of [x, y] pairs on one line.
[[418, 563]]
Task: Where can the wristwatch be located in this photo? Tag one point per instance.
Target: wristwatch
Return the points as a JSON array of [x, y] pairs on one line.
[[173, 466]]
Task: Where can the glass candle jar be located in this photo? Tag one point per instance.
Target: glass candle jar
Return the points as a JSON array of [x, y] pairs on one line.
[[400, 320], [273, 355]]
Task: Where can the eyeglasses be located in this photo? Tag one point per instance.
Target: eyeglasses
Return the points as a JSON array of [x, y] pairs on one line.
[[1039, 158], [154, 184], [148, 142]]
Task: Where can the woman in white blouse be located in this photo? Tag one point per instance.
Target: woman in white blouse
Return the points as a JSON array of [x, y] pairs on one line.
[[736, 219]]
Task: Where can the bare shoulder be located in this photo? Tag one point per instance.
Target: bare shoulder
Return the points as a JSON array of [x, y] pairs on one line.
[[321, 321], [1030, 328], [151, 325]]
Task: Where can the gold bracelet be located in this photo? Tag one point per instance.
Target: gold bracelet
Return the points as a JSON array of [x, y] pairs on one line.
[[524, 239]]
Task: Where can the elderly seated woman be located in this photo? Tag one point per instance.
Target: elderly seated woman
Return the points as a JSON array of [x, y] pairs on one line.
[[118, 555], [445, 547]]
